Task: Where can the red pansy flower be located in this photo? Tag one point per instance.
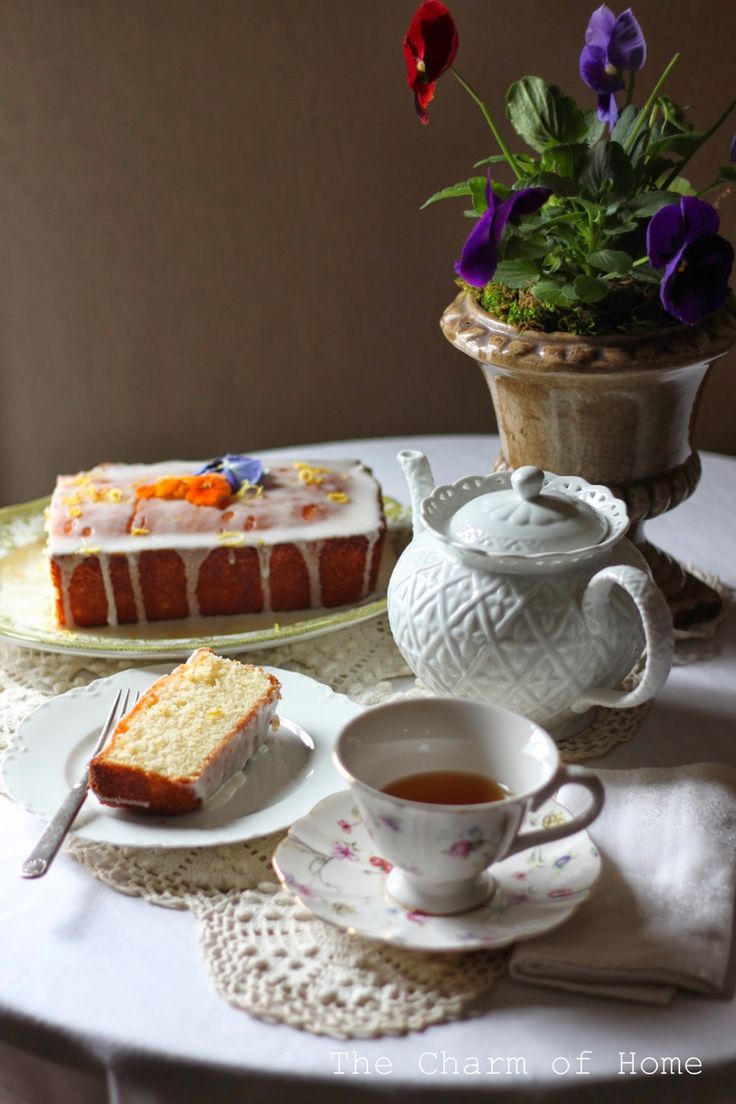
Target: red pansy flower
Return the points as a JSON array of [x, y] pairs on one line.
[[430, 46]]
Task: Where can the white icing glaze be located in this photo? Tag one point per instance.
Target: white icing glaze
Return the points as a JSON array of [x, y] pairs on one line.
[[275, 517], [243, 745], [311, 553], [289, 511], [264, 556], [112, 610], [135, 584], [372, 541]]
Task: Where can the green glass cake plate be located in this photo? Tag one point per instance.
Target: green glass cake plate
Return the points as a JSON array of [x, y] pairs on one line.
[[26, 604]]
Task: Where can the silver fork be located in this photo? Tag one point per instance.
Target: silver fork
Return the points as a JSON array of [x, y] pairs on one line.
[[45, 851]]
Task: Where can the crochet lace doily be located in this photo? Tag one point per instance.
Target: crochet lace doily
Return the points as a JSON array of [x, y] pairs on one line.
[[264, 952]]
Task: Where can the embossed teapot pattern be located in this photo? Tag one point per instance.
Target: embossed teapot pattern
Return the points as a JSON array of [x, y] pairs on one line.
[[520, 588]]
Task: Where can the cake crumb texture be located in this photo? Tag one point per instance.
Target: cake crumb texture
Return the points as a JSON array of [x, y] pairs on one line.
[[187, 735]]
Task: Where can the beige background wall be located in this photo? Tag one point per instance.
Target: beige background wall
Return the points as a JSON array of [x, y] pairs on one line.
[[209, 218]]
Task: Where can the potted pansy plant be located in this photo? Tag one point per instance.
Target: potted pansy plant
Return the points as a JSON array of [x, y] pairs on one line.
[[594, 282]]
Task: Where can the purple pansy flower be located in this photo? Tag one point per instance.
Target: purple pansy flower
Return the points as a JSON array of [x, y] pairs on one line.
[[682, 239], [612, 45], [732, 149], [237, 469], [480, 253]]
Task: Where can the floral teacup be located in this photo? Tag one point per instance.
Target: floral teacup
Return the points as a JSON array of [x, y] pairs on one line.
[[441, 853]]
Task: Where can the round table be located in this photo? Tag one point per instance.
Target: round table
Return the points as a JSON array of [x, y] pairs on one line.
[[106, 998]]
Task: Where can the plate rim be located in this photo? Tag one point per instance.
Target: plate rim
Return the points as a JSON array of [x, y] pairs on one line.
[[556, 921], [315, 783], [169, 648]]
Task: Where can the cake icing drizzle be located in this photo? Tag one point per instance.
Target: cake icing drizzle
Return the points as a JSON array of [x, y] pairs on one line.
[[264, 559], [112, 609], [135, 584], [305, 505]]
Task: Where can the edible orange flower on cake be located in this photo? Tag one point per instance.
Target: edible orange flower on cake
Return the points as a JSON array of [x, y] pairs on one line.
[[200, 490]]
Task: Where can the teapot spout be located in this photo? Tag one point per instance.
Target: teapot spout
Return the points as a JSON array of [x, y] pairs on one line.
[[418, 474]]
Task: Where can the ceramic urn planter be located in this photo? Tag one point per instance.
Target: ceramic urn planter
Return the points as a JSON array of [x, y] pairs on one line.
[[618, 411]]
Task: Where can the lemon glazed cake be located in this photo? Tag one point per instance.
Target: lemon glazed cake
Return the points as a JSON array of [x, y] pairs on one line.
[[150, 542], [187, 736]]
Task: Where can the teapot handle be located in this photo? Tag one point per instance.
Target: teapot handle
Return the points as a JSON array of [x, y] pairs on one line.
[[658, 636]]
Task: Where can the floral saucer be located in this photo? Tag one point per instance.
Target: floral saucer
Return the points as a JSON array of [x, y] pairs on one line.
[[329, 862]]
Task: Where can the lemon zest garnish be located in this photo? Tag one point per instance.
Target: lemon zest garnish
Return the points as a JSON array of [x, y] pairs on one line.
[[71, 500], [216, 712], [75, 511], [139, 531], [89, 549], [229, 536], [115, 494], [338, 496], [276, 627], [257, 489], [309, 474], [299, 464]]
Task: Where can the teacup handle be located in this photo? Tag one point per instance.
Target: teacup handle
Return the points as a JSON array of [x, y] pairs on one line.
[[578, 775], [658, 636]]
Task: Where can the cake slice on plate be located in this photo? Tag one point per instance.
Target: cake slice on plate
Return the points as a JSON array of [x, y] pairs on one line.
[[187, 736]]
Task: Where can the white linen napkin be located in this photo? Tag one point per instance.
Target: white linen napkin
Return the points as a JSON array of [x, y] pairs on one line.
[[661, 916]]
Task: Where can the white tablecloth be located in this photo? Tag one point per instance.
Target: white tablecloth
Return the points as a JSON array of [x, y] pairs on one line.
[[105, 998]]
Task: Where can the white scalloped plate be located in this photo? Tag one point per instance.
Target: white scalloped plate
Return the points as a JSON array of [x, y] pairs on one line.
[[26, 604], [328, 861], [283, 781]]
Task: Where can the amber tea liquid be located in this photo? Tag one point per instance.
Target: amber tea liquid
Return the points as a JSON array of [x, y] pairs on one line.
[[447, 788]]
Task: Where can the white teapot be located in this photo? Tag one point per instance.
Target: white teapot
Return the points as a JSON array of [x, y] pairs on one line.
[[519, 588]]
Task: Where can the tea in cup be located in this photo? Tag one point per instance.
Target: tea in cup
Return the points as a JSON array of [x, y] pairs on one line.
[[443, 786]]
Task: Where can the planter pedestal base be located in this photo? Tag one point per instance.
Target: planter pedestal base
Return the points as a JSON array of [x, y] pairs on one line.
[[618, 411], [692, 602]]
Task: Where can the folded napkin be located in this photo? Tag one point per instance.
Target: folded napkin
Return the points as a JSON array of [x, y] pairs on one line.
[[661, 916]]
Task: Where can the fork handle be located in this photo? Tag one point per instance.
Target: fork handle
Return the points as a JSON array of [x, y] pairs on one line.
[[55, 833]]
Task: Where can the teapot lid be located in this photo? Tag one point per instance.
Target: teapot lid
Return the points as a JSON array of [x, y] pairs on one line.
[[526, 519]]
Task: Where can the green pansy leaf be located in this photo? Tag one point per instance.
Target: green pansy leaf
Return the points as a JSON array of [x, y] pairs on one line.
[[611, 260], [523, 160], [673, 113], [595, 127], [681, 186], [531, 248], [516, 274], [726, 174], [464, 188], [650, 202], [559, 185], [542, 115], [565, 160], [547, 291], [591, 289], [624, 126], [478, 192], [681, 144], [607, 171]]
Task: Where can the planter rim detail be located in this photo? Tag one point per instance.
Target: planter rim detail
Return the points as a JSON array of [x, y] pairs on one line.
[[473, 330]]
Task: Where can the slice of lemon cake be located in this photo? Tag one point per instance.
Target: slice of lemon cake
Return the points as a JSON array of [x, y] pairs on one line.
[[187, 736]]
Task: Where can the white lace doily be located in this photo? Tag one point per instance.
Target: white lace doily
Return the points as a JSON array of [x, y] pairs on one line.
[[265, 953]]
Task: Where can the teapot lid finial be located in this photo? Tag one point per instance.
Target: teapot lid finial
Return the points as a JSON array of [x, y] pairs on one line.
[[527, 481]]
